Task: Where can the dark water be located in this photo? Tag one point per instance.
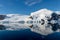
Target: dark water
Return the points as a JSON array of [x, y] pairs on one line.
[[20, 35], [54, 36], [27, 35]]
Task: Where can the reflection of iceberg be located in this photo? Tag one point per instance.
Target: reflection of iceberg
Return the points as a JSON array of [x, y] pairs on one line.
[[42, 21]]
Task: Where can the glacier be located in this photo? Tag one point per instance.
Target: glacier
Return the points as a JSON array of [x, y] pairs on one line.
[[43, 21]]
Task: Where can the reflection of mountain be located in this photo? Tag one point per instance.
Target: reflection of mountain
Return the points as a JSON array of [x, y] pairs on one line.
[[42, 21], [38, 28], [16, 26], [35, 27], [2, 27]]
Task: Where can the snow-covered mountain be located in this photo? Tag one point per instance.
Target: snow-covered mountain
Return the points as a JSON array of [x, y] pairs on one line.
[[43, 21], [15, 18], [38, 15]]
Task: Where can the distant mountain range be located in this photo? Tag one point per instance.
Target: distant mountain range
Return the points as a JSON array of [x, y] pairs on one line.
[[44, 14]]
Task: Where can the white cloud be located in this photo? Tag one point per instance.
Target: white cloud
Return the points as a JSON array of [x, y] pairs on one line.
[[32, 2]]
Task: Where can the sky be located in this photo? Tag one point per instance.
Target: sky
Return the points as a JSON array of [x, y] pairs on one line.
[[27, 6]]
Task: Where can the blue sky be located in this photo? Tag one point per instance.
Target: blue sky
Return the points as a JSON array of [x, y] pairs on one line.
[[27, 6]]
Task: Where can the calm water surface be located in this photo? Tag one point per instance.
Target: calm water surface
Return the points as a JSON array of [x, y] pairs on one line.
[[24, 34]]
